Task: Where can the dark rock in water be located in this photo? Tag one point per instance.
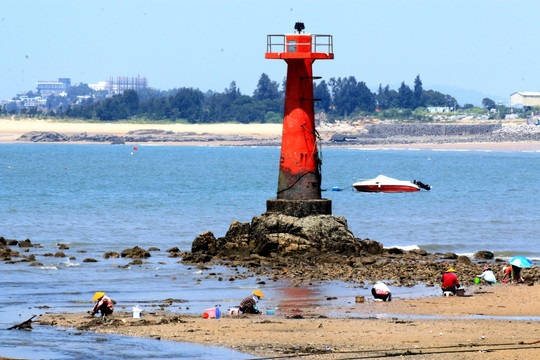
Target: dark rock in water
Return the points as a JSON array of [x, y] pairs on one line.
[[463, 259], [173, 249], [450, 256], [135, 253], [25, 243], [153, 249], [111, 254], [63, 247], [59, 254], [88, 260], [3, 242], [11, 242], [204, 243], [36, 263], [136, 262], [484, 255]]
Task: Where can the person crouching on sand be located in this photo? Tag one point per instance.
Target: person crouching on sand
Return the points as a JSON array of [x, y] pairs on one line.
[[249, 304], [488, 276], [104, 305], [381, 292], [450, 282]]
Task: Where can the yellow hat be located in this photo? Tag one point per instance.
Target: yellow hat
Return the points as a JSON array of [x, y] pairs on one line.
[[98, 295], [451, 270], [258, 293]]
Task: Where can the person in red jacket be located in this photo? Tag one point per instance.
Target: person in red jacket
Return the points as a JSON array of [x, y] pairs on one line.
[[450, 282]]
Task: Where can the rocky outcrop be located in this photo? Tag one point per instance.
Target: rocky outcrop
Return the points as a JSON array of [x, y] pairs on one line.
[[140, 136], [381, 134], [388, 130], [274, 235]]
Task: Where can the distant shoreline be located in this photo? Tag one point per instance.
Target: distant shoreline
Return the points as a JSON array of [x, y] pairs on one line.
[[223, 134]]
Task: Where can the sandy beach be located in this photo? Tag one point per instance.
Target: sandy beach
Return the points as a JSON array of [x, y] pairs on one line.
[[497, 322], [11, 130], [232, 134]]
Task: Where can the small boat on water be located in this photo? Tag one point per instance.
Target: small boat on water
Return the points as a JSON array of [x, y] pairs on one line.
[[389, 185]]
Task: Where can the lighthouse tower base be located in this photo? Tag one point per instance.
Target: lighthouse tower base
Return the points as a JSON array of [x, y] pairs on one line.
[[299, 208]]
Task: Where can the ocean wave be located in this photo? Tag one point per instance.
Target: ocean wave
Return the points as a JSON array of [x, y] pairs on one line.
[[68, 263], [404, 247], [48, 267]]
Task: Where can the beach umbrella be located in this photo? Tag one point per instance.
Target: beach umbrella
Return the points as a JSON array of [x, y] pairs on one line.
[[521, 261]]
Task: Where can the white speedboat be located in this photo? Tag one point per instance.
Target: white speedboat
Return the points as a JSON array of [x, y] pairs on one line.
[[389, 185]]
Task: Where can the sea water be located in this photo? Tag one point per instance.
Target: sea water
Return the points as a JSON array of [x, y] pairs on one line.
[[99, 198]]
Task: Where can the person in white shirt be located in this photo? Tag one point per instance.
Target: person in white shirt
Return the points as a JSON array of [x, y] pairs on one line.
[[381, 292], [488, 276]]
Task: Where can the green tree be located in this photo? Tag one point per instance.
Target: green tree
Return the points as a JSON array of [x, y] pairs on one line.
[[320, 91], [488, 103], [406, 97], [266, 89], [418, 92], [80, 89], [386, 98], [121, 106], [350, 95]]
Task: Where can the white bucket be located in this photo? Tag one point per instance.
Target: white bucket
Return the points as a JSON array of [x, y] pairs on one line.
[[234, 311], [136, 312]]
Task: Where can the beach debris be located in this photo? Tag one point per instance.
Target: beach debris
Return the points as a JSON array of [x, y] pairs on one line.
[[25, 325]]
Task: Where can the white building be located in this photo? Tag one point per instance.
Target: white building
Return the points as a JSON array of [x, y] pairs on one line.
[[525, 98]]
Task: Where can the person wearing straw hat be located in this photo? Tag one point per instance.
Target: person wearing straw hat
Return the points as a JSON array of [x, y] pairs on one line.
[[450, 282], [249, 304], [104, 304]]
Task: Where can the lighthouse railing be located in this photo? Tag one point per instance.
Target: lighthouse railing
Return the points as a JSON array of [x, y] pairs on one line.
[[319, 44]]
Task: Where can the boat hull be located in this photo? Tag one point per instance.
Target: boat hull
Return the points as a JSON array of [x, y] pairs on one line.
[[385, 188], [386, 185]]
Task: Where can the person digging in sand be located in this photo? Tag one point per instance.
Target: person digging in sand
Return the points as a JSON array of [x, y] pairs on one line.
[[249, 304], [450, 282], [104, 304]]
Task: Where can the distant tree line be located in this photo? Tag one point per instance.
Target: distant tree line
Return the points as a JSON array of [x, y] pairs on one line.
[[338, 98]]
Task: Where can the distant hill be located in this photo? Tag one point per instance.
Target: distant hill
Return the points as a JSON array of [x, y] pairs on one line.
[[468, 96]]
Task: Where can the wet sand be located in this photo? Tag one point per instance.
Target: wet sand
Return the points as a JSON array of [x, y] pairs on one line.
[[498, 322]]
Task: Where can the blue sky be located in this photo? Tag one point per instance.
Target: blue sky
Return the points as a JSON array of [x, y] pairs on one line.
[[474, 47]]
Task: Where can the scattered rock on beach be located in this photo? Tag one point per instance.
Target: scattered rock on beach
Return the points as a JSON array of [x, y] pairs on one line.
[[111, 254], [135, 253], [483, 255], [25, 243]]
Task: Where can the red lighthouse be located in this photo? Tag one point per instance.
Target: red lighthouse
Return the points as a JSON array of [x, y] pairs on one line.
[[299, 182]]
